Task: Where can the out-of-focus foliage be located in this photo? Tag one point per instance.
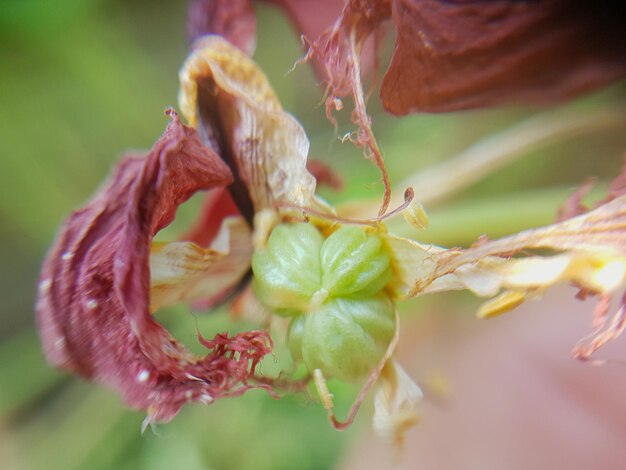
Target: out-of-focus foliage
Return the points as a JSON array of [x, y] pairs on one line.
[[83, 80]]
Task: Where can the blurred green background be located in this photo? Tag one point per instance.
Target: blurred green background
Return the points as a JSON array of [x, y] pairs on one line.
[[83, 80]]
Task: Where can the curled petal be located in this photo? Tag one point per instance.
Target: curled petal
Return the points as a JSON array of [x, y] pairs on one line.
[[395, 405], [229, 99], [93, 304]]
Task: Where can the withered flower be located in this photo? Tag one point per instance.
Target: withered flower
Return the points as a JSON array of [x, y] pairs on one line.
[[335, 282]]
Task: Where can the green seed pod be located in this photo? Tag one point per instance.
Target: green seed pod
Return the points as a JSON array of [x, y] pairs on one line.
[[345, 338], [298, 269], [354, 263], [287, 272], [343, 321]]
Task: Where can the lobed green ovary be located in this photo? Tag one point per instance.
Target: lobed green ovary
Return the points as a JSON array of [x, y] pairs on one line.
[[287, 272], [345, 338], [343, 321]]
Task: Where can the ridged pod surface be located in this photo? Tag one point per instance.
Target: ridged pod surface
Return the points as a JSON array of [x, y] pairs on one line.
[[333, 287]]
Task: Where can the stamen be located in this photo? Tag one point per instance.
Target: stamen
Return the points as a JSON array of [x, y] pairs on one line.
[[373, 222]]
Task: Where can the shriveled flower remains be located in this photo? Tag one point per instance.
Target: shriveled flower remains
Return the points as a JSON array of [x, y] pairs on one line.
[[334, 282]]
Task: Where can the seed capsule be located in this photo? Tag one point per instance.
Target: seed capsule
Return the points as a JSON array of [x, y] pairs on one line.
[[343, 321], [354, 263], [345, 338], [287, 272]]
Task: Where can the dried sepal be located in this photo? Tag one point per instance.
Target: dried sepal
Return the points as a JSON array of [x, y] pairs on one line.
[[229, 99], [93, 300]]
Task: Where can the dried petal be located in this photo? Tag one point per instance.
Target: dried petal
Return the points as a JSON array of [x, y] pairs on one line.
[[184, 271], [232, 19], [460, 55], [340, 49], [593, 257], [602, 230], [325, 175], [412, 264], [217, 206], [231, 102], [93, 306], [395, 405], [452, 55]]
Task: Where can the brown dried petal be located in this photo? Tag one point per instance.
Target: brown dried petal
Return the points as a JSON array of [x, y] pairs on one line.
[[458, 55], [93, 305], [232, 19], [452, 55]]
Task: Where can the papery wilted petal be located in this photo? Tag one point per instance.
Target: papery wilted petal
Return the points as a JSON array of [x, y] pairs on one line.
[[184, 271], [93, 306], [413, 263], [602, 230], [229, 99], [395, 405], [592, 255]]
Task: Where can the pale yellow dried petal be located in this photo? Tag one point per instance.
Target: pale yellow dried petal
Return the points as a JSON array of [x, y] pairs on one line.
[[601, 232], [395, 405], [184, 271], [505, 302], [269, 146], [412, 263]]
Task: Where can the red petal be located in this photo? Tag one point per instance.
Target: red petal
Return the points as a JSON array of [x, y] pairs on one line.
[[461, 54], [93, 300], [231, 19], [217, 205], [324, 174], [467, 54]]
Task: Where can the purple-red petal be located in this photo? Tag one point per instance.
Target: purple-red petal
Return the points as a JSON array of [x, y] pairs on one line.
[[93, 305]]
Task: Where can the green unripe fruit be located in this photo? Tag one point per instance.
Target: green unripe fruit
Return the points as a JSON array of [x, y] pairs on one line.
[[345, 338], [343, 320], [287, 272], [354, 263], [298, 269]]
